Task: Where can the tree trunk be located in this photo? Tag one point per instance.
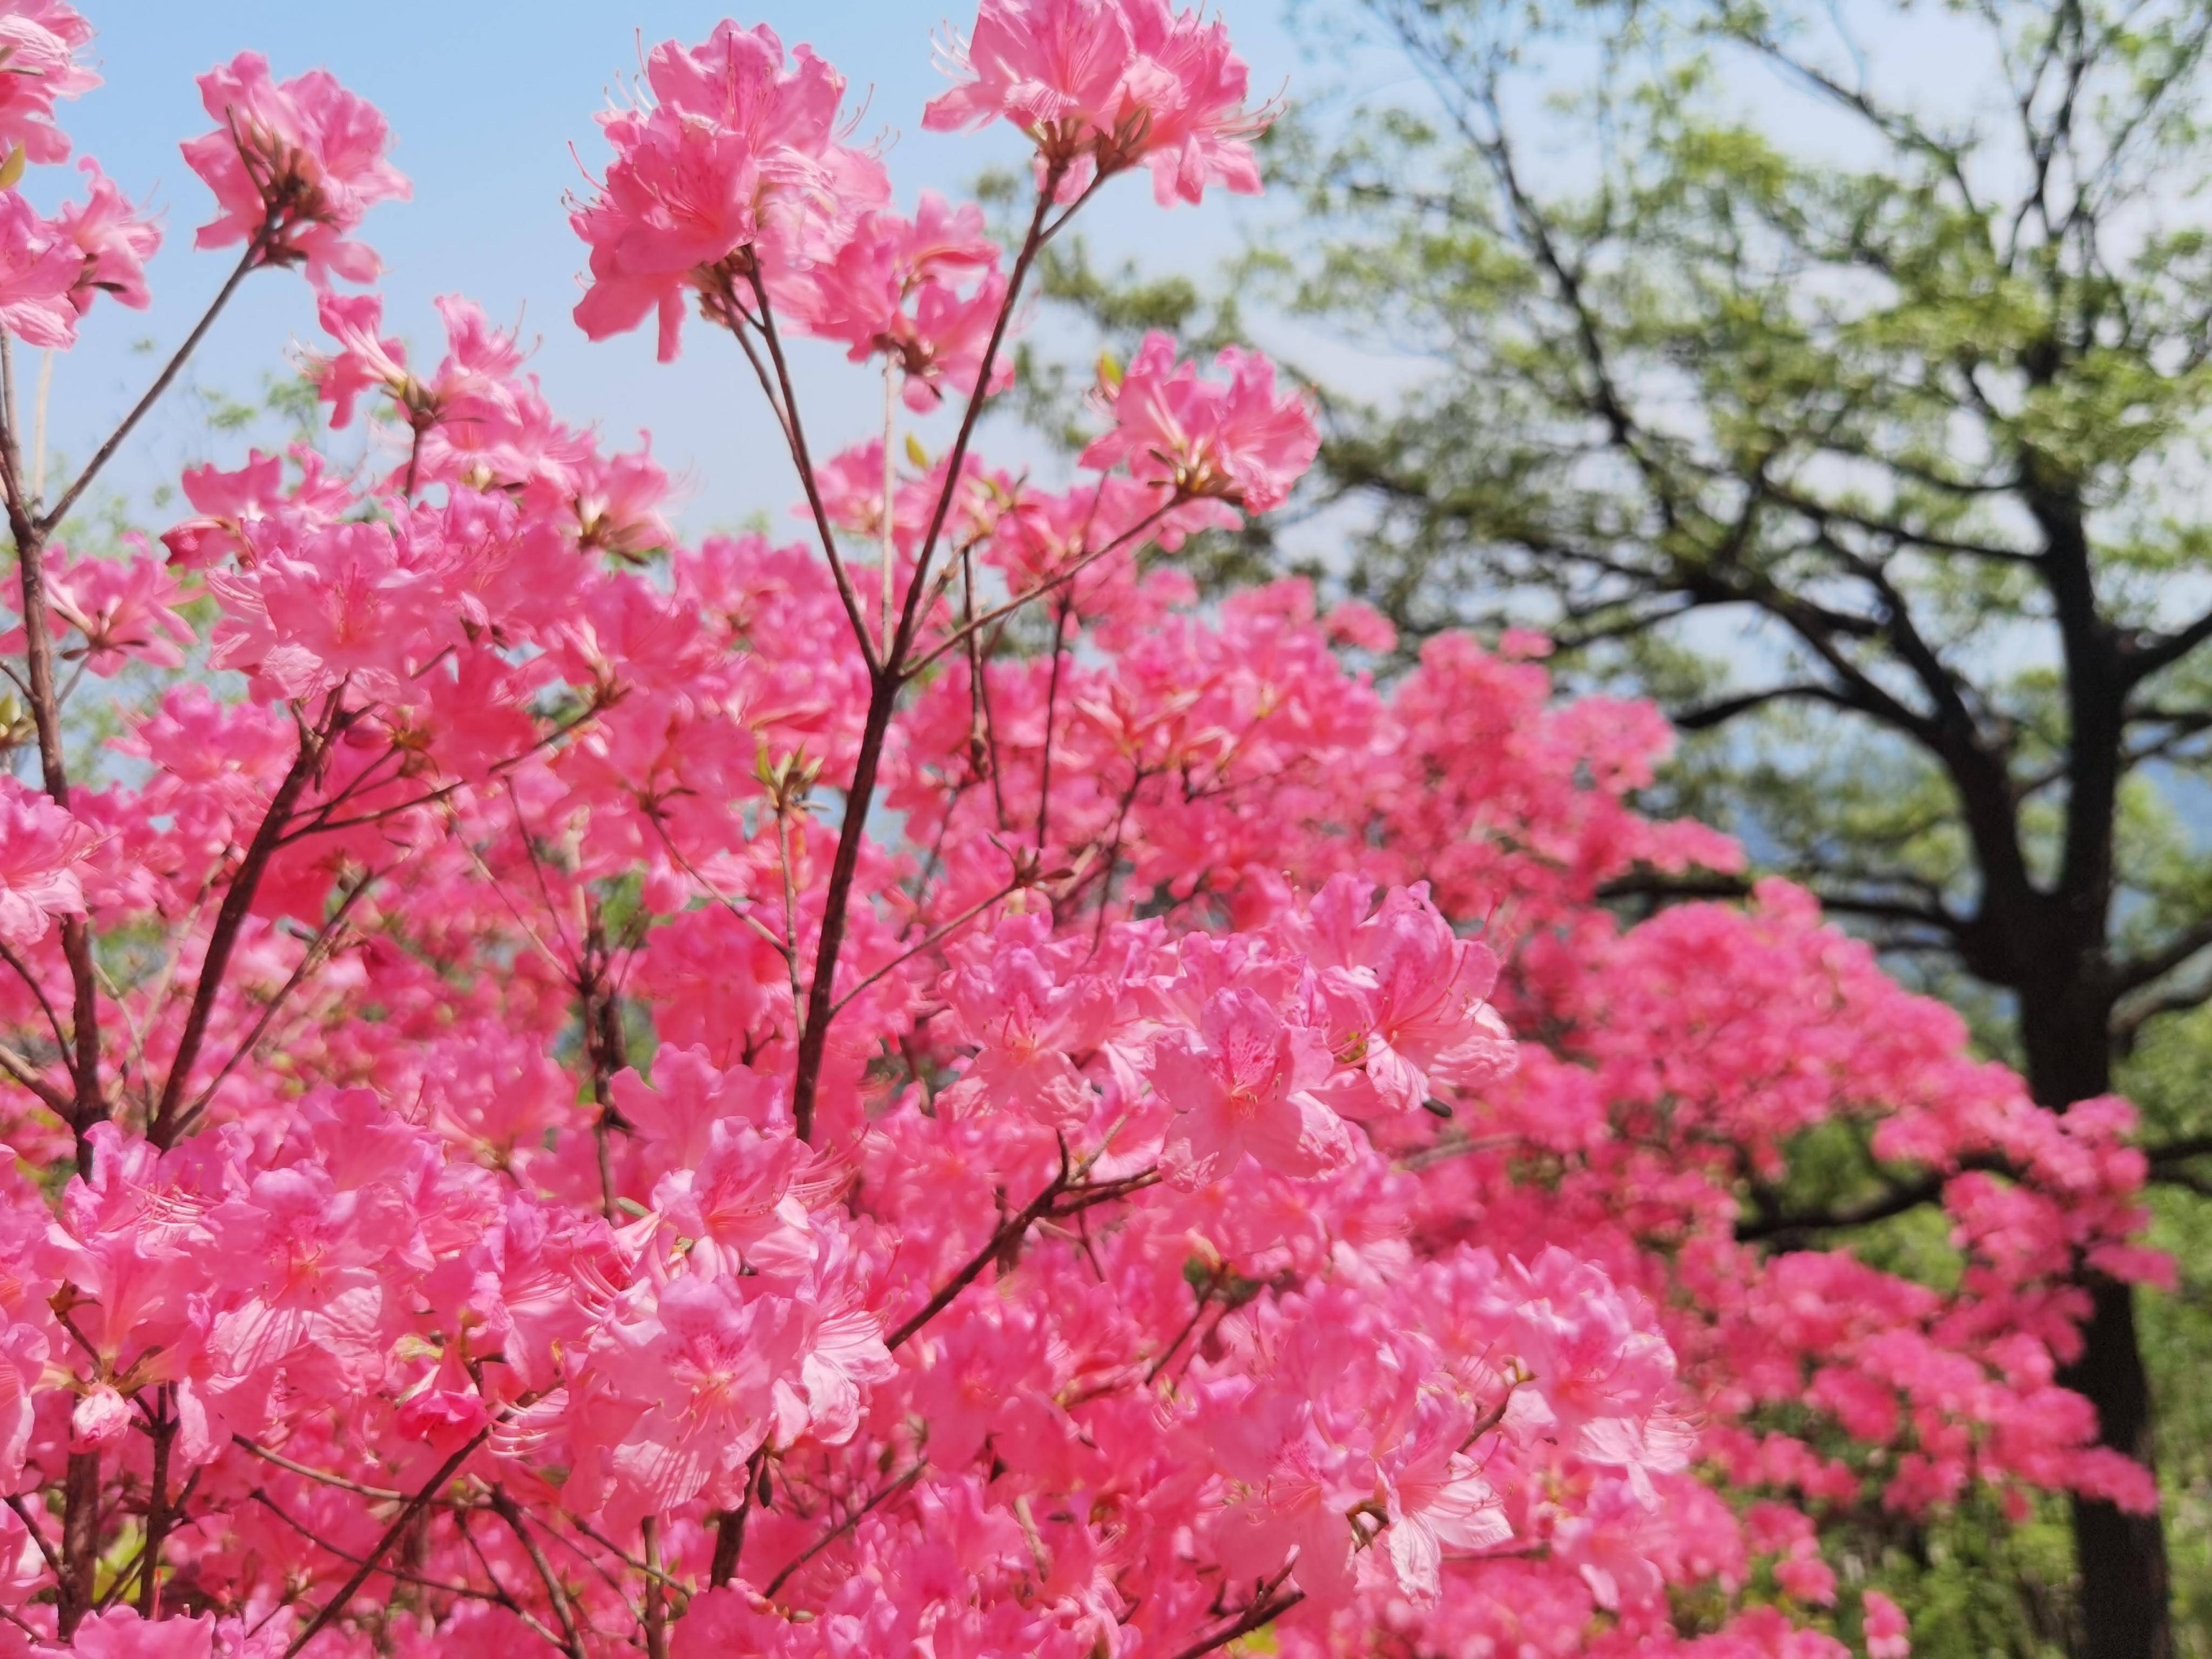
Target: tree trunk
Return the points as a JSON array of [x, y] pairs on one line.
[[2121, 1558]]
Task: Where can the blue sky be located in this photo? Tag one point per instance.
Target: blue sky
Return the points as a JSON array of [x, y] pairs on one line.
[[485, 100]]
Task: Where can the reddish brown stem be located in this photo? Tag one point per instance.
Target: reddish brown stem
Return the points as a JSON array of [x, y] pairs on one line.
[[998, 612], [886, 675], [1035, 237], [1010, 1230], [605, 1049], [730, 1527], [105, 453], [814, 1037], [331, 1608], [317, 952], [656, 1593], [237, 903], [90, 1106], [785, 407], [80, 1540], [1059, 615], [158, 1510], [844, 1527], [1265, 1609], [510, 1513]]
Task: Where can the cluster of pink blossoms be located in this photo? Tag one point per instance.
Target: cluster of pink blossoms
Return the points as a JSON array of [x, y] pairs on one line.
[[510, 1151]]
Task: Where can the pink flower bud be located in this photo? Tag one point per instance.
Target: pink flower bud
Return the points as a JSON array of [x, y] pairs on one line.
[[101, 1418]]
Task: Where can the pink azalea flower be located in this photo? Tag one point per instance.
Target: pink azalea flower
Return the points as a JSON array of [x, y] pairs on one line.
[[1887, 1634], [677, 1112], [1404, 999], [1243, 1082], [41, 847], [738, 152], [1438, 1498], [114, 240], [125, 609], [719, 1363], [1102, 85], [39, 268], [617, 501], [298, 163], [896, 287], [744, 1206], [1027, 1012], [330, 604], [364, 358], [39, 43], [120, 1633], [228, 501], [1241, 442]]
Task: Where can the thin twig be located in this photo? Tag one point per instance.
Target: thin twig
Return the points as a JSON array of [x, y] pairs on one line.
[[1048, 585], [38, 1535], [509, 1511], [843, 1527], [27, 1074], [1266, 1608], [237, 902], [381, 1494], [318, 951], [936, 936], [400, 1574], [794, 436], [1009, 1230], [331, 1608], [254, 249]]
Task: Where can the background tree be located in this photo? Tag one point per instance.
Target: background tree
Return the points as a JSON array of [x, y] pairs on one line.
[[1854, 402]]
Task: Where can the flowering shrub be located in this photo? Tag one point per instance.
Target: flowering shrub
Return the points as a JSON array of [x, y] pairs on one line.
[[713, 1099]]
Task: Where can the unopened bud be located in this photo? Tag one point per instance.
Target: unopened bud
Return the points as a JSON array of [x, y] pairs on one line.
[[101, 1418]]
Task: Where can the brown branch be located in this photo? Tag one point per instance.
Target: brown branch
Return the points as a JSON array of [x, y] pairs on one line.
[[656, 1591], [1710, 887], [936, 936], [38, 1534], [1034, 238], [318, 952], [1009, 1230], [38, 992], [331, 1608], [80, 1539], [381, 1494], [509, 1511], [371, 1566], [319, 823], [1895, 1199], [2176, 1152], [26, 1075], [237, 902], [160, 1511], [105, 453], [1704, 716], [843, 1527], [786, 410], [1205, 1295], [2136, 972], [1265, 1610], [89, 1106], [730, 1524], [1048, 585], [888, 676], [1060, 614]]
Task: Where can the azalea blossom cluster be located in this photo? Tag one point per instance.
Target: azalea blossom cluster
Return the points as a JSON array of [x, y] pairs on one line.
[[510, 1148]]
